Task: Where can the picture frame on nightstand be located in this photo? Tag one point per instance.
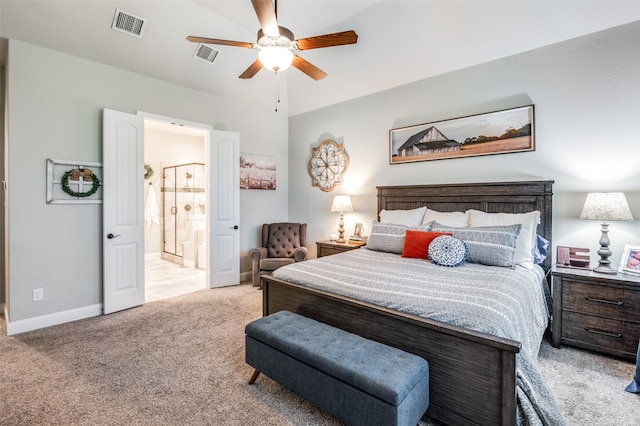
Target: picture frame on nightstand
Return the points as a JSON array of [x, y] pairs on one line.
[[357, 231], [630, 262]]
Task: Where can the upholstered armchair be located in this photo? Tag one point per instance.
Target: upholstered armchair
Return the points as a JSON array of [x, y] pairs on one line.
[[282, 244]]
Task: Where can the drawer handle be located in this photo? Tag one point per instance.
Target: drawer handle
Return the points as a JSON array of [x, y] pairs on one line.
[[610, 302], [606, 333]]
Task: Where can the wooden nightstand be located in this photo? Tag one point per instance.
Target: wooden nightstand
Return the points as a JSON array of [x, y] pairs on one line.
[[596, 311], [327, 248]]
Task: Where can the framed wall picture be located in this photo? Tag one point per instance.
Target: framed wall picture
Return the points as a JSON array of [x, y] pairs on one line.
[[630, 262], [257, 171], [497, 132]]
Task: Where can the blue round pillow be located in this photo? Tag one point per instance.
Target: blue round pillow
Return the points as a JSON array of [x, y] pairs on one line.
[[446, 250]]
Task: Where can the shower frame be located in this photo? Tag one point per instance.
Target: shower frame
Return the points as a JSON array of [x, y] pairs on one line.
[[178, 185]]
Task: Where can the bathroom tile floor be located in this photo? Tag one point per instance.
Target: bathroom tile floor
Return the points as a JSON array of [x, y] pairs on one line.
[[164, 279]]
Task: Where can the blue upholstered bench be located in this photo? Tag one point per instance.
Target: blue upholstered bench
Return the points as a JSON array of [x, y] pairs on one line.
[[360, 381]]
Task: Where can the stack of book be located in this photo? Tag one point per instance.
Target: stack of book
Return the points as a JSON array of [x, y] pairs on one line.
[[355, 240]]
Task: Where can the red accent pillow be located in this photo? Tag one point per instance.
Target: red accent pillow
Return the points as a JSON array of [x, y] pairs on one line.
[[417, 242]]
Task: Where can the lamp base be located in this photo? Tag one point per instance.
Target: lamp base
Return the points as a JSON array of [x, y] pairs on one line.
[[605, 269], [341, 230], [604, 265]]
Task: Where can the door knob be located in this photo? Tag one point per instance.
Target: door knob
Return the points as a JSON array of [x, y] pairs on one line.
[[235, 227], [111, 236]]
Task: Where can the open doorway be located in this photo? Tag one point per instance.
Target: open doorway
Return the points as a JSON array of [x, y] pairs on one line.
[[123, 208], [175, 208]]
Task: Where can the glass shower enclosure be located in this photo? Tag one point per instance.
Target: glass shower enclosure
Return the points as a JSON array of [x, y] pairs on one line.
[[183, 212]]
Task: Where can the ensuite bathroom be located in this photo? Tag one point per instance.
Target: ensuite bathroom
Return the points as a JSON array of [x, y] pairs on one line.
[[174, 210]]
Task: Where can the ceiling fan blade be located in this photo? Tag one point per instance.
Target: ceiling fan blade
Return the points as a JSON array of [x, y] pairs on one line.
[[252, 70], [219, 41], [308, 68], [328, 40], [267, 17]]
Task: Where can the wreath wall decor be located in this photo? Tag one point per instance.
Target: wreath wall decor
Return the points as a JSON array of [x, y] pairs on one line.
[[74, 182], [148, 172], [75, 175]]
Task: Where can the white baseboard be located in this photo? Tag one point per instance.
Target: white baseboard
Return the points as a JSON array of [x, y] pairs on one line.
[[30, 324], [152, 256], [21, 326]]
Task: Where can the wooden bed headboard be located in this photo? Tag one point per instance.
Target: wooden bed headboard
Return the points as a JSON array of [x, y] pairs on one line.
[[495, 197]]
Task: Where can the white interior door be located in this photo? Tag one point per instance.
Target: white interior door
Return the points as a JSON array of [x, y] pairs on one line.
[[123, 215], [224, 218]]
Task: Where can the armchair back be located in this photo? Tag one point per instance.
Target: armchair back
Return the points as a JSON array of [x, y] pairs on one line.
[[282, 239]]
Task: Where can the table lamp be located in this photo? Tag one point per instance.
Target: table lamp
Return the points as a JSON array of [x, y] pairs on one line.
[[342, 204], [605, 206]]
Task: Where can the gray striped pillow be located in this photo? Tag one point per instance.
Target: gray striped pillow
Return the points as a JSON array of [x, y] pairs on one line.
[[387, 237], [487, 245]]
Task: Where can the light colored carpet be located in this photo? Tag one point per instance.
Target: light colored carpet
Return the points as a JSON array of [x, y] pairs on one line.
[[181, 362]]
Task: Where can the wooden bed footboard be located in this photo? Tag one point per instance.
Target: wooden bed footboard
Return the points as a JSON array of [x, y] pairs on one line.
[[472, 374]]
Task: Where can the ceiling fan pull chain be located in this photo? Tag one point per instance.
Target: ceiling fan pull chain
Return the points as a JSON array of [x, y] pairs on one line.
[[277, 90]]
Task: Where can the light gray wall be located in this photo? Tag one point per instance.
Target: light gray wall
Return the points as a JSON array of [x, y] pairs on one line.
[[55, 103], [586, 93]]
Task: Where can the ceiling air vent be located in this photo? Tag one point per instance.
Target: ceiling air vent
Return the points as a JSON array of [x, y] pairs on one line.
[[128, 23], [206, 53]]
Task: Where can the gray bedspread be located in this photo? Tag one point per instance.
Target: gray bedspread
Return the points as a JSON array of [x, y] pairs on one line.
[[509, 303]]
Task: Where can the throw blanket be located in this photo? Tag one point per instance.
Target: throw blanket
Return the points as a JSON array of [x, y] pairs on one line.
[[509, 303]]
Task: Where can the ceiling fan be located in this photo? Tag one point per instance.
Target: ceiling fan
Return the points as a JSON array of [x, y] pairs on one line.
[[276, 44]]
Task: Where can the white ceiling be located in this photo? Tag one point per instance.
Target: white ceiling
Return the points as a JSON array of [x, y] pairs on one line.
[[399, 41]]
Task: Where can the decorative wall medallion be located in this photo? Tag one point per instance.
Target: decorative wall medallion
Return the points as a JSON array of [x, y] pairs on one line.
[[328, 165]]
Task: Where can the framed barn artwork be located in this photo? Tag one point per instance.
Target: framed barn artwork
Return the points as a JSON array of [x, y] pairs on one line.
[[498, 132]]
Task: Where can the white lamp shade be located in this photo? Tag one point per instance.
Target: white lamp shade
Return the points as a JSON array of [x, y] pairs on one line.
[[606, 206], [275, 58], [342, 204]]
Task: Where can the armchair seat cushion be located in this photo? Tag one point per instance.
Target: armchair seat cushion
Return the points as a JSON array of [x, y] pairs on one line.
[[273, 263]]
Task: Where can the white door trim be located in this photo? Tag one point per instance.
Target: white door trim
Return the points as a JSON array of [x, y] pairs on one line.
[[156, 117], [230, 272]]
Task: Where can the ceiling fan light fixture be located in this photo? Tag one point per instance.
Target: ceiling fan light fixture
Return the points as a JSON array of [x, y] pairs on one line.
[[275, 44], [284, 39], [275, 58]]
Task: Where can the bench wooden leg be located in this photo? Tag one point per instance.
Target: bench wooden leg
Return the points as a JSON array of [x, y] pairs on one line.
[[254, 376]]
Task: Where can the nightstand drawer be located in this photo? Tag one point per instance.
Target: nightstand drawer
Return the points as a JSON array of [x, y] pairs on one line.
[[601, 333], [327, 248], [599, 300], [328, 251]]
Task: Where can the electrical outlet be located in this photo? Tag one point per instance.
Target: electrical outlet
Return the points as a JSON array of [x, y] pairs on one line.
[[38, 294]]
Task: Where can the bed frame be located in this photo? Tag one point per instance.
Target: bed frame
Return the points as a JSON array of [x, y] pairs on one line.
[[472, 374]]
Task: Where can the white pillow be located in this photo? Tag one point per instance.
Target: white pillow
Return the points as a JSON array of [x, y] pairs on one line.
[[454, 219], [527, 237], [403, 217]]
